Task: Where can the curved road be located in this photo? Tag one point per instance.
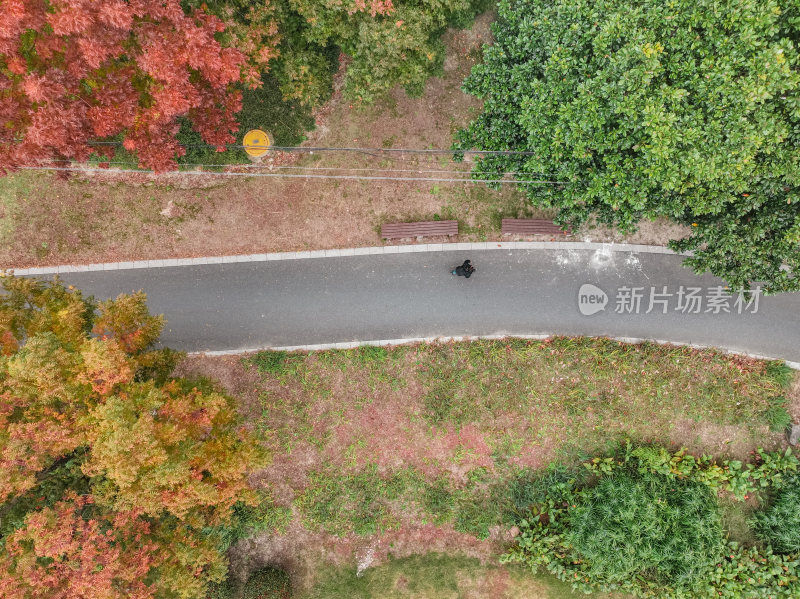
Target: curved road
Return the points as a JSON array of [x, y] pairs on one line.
[[288, 302]]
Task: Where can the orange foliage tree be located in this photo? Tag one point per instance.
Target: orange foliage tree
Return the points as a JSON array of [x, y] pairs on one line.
[[156, 465], [60, 554]]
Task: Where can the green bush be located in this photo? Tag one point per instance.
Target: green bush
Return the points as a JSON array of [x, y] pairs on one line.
[[647, 522], [650, 527], [729, 475], [779, 524], [532, 491]]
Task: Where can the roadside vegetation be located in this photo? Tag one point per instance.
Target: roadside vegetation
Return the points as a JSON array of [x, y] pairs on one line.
[[509, 468], [649, 523], [129, 75], [619, 116], [383, 455], [106, 217]]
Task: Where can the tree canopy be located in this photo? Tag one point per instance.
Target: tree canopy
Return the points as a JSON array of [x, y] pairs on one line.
[[78, 77], [73, 71], [387, 42], [686, 109], [116, 480]]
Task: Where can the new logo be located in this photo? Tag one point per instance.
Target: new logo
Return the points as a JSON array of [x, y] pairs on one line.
[[591, 299]]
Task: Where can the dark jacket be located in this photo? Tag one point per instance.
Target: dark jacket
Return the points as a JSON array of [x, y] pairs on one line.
[[465, 270]]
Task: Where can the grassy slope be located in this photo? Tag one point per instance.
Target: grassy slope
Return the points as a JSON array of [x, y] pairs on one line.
[[440, 576], [84, 220], [374, 445], [14, 190]]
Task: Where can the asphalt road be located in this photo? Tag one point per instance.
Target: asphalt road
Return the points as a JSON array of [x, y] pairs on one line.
[[391, 296]]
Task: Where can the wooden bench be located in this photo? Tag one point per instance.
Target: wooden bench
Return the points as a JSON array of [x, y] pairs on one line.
[[531, 226], [419, 229]]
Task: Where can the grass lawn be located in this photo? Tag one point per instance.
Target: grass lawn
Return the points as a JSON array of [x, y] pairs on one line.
[[440, 576], [15, 190], [383, 454]]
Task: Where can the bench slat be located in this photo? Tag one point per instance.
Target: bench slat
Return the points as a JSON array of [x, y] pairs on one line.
[[531, 226], [422, 228], [419, 227]]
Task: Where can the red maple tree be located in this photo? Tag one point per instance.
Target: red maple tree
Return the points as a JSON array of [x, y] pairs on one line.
[[74, 71]]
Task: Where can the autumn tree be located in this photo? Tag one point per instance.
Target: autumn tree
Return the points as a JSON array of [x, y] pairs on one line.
[[74, 71], [172, 449], [76, 551], [387, 42], [112, 474], [688, 110]]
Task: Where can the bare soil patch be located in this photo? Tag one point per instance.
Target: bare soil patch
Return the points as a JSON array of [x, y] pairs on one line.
[[98, 218]]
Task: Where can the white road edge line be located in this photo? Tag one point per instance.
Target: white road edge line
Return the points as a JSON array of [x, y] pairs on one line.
[[446, 339], [347, 252]]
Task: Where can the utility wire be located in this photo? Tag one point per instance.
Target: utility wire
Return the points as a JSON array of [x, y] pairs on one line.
[[311, 149], [302, 176], [320, 168]]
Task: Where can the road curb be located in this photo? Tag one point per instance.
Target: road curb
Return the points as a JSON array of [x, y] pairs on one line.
[[446, 339], [342, 253]]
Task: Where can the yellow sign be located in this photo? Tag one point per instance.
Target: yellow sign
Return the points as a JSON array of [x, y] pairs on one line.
[[256, 142]]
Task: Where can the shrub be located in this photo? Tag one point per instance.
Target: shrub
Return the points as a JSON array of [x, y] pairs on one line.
[[779, 524], [647, 526], [530, 489], [262, 108]]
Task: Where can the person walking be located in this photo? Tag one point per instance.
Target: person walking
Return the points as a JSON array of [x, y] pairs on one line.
[[465, 270]]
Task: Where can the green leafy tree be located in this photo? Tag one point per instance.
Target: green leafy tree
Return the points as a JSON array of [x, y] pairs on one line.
[[687, 109], [388, 42]]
